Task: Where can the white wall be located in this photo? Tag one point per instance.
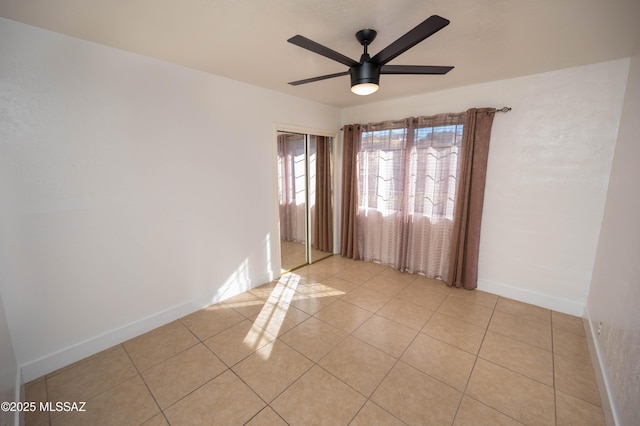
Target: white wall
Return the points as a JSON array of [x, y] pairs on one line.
[[548, 171], [614, 296], [139, 191]]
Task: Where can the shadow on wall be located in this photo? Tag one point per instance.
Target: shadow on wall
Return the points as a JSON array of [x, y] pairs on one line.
[[240, 280]]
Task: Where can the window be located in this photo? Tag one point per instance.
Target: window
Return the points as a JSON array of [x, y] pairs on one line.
[[412, 175], [413, 192]]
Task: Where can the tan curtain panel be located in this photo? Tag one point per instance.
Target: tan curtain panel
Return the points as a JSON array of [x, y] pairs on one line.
[[349, 214], [465, 242], [322, 223]]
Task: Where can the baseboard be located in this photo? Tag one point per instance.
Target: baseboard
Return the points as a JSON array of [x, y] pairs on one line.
[[49, 363], [18, 396], [608, 406], [539, 299]]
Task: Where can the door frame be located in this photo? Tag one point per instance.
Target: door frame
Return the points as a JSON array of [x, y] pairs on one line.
[[307, 131]]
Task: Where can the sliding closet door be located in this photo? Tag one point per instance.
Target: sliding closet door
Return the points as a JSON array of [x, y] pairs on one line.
[[292, 198], [305, 198]]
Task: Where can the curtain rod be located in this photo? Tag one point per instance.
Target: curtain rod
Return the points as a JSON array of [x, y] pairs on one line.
[[503, 109]]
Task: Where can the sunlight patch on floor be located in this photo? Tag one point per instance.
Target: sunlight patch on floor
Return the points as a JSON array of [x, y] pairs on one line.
[[273, 313]]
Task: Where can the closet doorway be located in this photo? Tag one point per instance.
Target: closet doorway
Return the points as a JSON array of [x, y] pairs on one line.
[[304, 198]]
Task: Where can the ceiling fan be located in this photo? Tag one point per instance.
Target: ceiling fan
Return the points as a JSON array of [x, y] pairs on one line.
[[365, 75]]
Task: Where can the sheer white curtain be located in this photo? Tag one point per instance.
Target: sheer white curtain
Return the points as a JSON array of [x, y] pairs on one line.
[[406, 191], [291, 187]]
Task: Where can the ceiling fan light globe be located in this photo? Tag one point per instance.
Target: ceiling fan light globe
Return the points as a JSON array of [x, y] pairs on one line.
[[364, 89]]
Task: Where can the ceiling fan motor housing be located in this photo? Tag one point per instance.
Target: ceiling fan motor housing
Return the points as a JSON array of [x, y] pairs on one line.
[[366, 72]]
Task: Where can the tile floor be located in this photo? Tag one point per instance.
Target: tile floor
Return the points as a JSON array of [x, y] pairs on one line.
[[340, 342]]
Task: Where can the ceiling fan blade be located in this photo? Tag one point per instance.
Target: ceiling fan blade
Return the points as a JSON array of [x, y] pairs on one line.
[[414, 69], [322, 77], [311, 45], [428, 27]]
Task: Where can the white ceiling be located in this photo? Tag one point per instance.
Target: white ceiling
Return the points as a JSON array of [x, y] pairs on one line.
[[246, 39]]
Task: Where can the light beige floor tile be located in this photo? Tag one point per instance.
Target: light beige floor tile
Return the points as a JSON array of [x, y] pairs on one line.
[[134, 403], [343, 315], [339, 285], [267, 417], [517, 356], [474, 413], [277, 319], [471, 313], [313, 338], [373, 267], [386, 335], [358, 273], [318, 255], [250, 295], [226, 397], [238, 342], [422, 296], [520, 309], [318, 398], [366, 298], [455, 332], [358, 364], [246, 304], [314, 299], [157, 345], [393, 275], [387, 285], [373, 414], [91, 378], [309, 274], [264, 291], [576, 378], [82, 361], [570, 345], [513, 394], [573, 411], [537, 333], [432, 285], [157, 420], [417, 398], [174, 378], [501, 391], [331, 265], [568, 323], [317, 290], [405, 313], [36, 391], [474, 296], [211, 320], [440, 360], [272, 368], [283, 290]]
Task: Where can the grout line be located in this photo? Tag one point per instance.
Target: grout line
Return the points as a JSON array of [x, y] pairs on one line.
[[473, 367], [143, 381], [89, 359], [314, 363], [347, 335]]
